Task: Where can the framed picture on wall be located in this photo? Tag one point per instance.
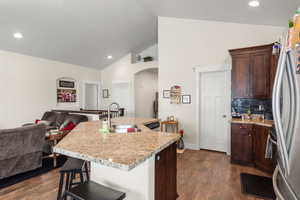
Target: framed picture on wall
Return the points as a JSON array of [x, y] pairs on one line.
[[175, 94], [166, 94], [66, 84], [186, 99], [66, 96], [105, 93], [66, 90]]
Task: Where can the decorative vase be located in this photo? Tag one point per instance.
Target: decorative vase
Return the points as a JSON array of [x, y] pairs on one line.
[[180, 144]]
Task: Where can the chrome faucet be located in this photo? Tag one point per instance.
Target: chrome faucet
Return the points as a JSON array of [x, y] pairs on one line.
[[108, 113]]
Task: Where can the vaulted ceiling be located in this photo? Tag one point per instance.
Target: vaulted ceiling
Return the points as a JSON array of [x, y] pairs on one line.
[[84, 32]]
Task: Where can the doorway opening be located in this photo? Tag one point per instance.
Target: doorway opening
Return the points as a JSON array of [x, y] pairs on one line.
[[91, 96], [146, 93]]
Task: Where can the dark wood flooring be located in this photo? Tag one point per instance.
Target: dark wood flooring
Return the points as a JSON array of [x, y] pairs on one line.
[[202, 175]]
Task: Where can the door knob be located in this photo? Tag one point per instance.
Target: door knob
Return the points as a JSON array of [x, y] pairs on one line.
[[158, 158], [224, 116]]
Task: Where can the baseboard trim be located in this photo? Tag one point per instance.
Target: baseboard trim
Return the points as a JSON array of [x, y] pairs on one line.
[[191, 146]]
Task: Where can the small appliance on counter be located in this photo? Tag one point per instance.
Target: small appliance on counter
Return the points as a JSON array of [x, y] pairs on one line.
[[236, 115]]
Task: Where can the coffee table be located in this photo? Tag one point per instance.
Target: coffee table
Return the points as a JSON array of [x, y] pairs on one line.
[[55, 136]]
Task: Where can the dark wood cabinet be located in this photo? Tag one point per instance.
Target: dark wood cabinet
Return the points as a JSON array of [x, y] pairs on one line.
[[260, 74], [251, 72], [166, 173], [241, 144], [240, 76], [260, 140], [274, 63], [248, 146]]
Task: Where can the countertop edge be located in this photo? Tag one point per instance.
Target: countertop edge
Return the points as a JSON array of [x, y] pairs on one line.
[[111, 163], [251, 122]]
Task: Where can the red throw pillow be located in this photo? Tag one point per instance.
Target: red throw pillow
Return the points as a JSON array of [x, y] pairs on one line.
[[37, 121], [68, 127]]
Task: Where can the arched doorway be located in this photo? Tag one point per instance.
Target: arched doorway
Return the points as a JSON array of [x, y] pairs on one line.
[[146, 93]]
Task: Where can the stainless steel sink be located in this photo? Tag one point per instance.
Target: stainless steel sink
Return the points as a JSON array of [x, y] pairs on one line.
[[123, 128]]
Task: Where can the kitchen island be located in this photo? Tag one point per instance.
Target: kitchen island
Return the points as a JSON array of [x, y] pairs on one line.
[[141, 164]]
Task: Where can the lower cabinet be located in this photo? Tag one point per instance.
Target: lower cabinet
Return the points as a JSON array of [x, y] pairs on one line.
[[241, 144], [260, 143], [248, 145], [166, 173]]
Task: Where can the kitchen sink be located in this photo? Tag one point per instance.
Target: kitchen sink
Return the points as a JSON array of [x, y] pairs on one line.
[[124, 128]]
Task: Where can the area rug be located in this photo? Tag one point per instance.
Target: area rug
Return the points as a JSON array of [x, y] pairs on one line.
[[257, 186], [46, 167]]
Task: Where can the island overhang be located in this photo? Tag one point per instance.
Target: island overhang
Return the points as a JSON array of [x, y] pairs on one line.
[[121, 151]]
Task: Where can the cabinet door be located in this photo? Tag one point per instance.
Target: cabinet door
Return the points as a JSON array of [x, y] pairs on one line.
[[241, 144], [166, 173], [260, 142], [260, 74], [240, 76], [160, 176], [171, 167]]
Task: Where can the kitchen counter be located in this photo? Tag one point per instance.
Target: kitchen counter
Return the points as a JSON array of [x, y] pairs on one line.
[[267, 123], [121, 151]]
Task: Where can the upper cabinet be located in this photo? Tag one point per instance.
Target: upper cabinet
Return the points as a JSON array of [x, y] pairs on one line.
[[251, 72]]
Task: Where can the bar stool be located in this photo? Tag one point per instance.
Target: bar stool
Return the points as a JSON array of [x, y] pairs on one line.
[[93, 191], [68, 173]]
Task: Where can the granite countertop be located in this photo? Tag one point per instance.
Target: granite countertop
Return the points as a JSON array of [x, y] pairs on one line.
[[122, 151], [267, 123]]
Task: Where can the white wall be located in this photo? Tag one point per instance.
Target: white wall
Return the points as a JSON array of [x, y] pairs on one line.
[[28, 87], [184, 44], [122, 72], [146, 85]]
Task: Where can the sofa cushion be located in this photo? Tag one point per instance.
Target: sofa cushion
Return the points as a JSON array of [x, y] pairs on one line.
[[60, 118], [67, 126], [51, 117], [76, 119], [21, 149], [45, 122]]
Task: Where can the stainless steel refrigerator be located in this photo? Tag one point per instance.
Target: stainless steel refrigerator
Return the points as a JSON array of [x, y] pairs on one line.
[[286, 111]]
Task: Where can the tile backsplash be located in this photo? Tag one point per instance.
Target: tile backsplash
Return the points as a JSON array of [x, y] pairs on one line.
[[243, 105]]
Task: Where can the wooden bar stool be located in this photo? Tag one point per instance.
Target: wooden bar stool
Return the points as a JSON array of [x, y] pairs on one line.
[[68, 173], [93, 191]]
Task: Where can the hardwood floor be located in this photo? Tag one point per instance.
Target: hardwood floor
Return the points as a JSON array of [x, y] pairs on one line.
[[202, 175], [205, 175]]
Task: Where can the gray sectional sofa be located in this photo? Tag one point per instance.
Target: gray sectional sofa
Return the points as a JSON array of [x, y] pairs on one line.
[[21, 149]]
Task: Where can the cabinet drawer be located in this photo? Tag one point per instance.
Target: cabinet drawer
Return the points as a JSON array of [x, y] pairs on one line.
[[241, 127]]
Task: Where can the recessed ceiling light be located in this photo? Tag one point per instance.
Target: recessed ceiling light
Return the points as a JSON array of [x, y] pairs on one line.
[[18, 35], [109, 57], [254, 3]]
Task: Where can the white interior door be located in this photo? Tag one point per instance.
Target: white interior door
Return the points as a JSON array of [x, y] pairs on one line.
[[91, 96], [213, 113]]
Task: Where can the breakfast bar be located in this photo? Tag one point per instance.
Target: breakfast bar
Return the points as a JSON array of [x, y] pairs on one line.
[[141, 164]]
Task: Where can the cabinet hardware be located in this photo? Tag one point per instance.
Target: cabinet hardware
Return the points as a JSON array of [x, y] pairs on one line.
[[158, 158]]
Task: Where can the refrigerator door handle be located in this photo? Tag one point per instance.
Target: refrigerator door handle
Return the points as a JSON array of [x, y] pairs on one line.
[[275, 186], [295, 99], [279, 195], [292, 103], [276, 106]]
